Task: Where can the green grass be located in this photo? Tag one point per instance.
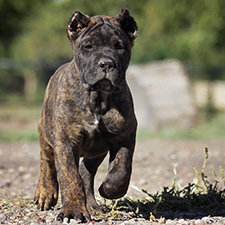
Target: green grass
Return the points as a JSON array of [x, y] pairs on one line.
[[19, 112], [206, 129], [18, 135], [18, 122]]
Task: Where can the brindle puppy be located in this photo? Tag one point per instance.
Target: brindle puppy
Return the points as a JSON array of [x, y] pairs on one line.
[[88, 112]]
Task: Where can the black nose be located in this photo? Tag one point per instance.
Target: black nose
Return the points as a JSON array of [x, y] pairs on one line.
[[106, 64]]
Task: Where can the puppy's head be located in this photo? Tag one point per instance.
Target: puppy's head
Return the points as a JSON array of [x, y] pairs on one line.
[[102, 48]]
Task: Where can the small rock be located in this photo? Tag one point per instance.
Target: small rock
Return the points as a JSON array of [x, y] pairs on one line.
[[6, 184], [181, 220], [141, 219], [2, 219], [199, 222], [73, 221], [65, 221], [162, 220], [208, 219], [169, 221], [48, 220]]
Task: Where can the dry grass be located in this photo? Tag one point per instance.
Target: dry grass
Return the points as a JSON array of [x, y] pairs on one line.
[[198, 199]]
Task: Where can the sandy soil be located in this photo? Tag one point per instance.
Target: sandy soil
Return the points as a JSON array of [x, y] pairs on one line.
[[152, 166]]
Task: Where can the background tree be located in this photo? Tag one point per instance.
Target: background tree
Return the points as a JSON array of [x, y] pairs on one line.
[[33, 34], [13, 15]]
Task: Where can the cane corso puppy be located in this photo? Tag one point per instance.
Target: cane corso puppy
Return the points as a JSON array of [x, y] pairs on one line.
[[87, 112]]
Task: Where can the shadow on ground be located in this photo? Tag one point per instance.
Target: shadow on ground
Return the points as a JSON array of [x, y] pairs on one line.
[[188, 203]]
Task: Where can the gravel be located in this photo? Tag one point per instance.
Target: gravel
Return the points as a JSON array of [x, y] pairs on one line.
[[153, 169]]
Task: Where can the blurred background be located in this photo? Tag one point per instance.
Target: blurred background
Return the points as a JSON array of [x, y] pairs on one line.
[[177, 72]]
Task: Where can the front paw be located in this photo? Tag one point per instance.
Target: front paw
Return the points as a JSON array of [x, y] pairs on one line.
[[46, 196], [76, 213], [113, 190]]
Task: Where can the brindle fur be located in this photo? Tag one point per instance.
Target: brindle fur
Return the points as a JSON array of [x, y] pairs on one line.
[[88, 112]]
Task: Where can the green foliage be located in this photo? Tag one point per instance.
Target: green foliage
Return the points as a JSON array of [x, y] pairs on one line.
[[189, 30], [13, 14], [192, 31], [49, 26]]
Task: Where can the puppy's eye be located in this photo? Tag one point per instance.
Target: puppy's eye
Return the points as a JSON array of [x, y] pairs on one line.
[[119, 46], [88, 46]]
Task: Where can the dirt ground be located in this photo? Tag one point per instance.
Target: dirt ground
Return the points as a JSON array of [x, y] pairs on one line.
[[153, 165]]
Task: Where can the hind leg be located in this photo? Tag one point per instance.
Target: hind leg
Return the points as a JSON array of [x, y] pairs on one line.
[[46, 194], [88, 169]]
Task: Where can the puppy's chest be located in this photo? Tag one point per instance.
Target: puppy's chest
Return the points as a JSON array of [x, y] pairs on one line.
[[111, 123], [92, 125]]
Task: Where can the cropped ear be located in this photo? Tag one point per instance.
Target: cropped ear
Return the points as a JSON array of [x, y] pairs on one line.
[[76, 24], [127, 23]]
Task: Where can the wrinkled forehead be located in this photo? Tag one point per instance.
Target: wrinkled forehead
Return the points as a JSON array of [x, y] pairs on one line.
[[104, 27]]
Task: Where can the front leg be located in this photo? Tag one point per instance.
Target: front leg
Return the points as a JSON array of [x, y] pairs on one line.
[[70, 182], [117, 181]]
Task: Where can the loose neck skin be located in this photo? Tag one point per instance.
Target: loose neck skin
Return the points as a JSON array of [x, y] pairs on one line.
[[98, 102]]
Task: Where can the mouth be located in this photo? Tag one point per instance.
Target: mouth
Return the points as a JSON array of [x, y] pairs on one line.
[[104, 85]]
